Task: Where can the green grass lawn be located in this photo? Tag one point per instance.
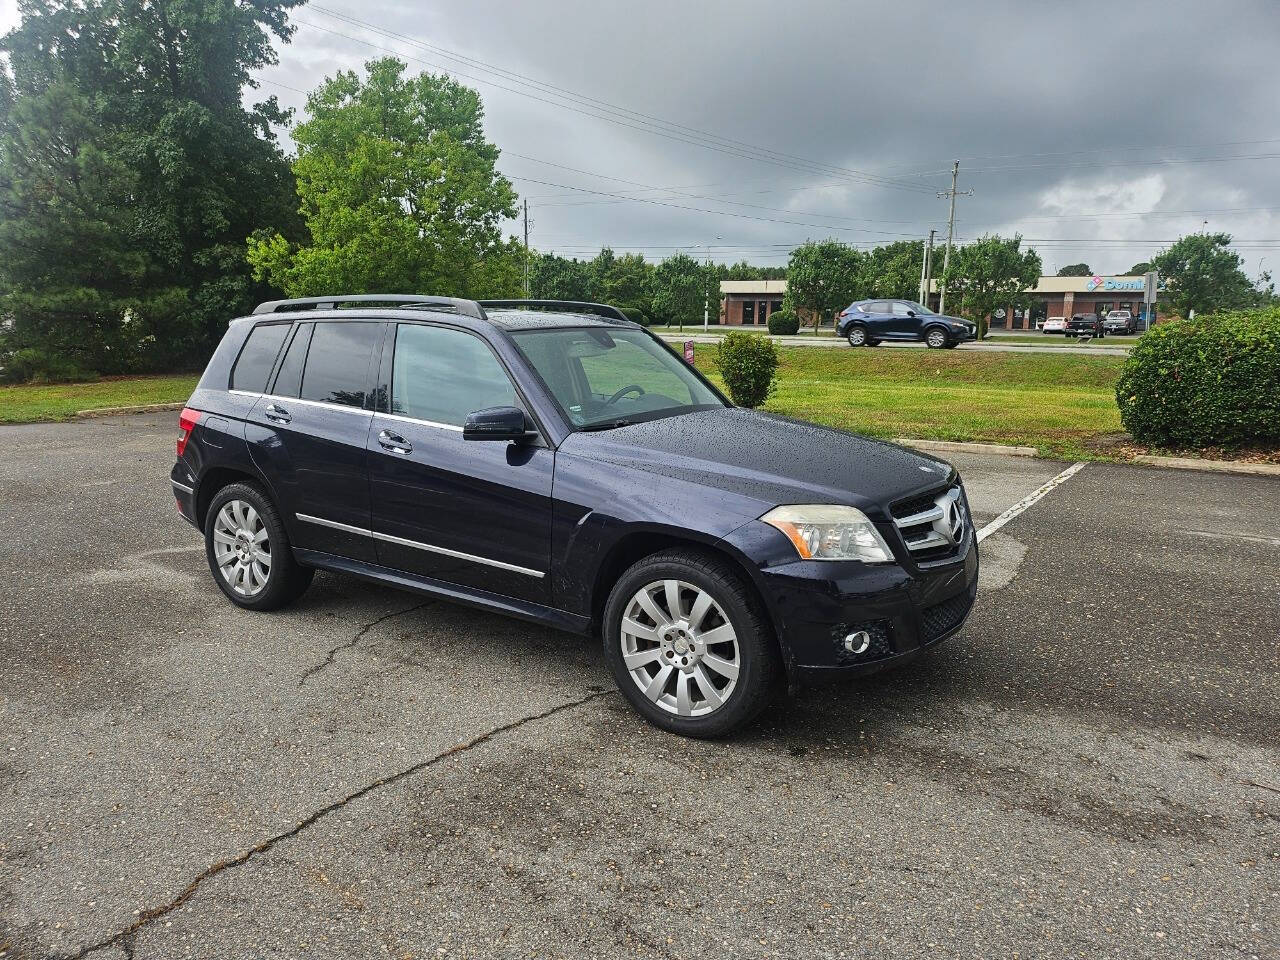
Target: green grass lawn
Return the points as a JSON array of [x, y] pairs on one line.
[[1054, 402], [60, 401]]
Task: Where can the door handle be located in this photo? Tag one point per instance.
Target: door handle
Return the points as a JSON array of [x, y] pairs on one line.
[[394, 442], [278, 414]]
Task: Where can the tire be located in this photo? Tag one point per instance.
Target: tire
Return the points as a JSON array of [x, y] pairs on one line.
[[857, 336], [746, 674], [936, 338], [240, 519]]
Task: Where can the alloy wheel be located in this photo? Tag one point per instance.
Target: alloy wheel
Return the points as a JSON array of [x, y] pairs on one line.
[[242, 548], [936, 339], [857, 337], [680, 648]]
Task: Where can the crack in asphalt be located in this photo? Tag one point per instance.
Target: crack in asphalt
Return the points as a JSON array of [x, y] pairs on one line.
[[332, 654], [127, 937]]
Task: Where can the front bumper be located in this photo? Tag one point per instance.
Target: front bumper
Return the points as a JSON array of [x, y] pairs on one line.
[[815, 605]]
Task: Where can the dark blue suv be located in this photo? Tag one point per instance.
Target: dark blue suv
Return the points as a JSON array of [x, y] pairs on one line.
[[557, 463], [870, 322]]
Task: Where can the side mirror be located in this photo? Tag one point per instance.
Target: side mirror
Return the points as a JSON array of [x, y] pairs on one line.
[[495, 423], [911, 313]]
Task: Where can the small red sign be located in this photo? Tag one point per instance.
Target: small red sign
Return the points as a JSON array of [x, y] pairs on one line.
[[688, 351]]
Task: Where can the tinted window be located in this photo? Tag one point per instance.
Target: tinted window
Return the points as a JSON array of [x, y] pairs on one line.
[[442, 375], [901, 309], [258, 356], [338, 362], [289, 379], [878, 306]]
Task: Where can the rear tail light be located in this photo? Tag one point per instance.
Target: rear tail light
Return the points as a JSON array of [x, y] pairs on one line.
[[187, 421]]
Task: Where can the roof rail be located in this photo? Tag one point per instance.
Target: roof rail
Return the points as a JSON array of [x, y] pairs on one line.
[[579, 306], [469, 308]]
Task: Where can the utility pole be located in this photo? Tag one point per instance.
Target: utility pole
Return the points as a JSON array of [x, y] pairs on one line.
[[526, 249], [924, 268], [951, 229]]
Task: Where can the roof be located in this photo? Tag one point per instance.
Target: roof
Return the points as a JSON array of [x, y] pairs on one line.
[[1098, 283], [549, 319], [753, 286]]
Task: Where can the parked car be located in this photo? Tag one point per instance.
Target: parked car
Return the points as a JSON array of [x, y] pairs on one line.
[[1119, 321], [871, 322], [1084, 324], [506, 455], [1054, 325]]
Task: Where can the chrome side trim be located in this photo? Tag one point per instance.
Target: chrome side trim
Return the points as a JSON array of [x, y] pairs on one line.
[[319, 403], [425, 423], [183, 487], [417, 545]]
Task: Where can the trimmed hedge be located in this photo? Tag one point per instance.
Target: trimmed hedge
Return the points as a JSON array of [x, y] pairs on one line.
[[1211, 381], [784, 322], [748, 365]]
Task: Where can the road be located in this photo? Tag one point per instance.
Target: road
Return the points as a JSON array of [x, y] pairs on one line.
[[985, 346], [1089, 769]]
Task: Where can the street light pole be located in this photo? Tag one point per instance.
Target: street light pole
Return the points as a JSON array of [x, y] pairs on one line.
[[706, 298], [951, 229], [924, 268]]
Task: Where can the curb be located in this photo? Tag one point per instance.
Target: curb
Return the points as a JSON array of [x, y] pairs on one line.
[[1211, 466], [956, 446], [115, 411]]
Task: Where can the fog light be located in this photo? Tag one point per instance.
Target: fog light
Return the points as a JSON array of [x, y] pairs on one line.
[[857, 642]]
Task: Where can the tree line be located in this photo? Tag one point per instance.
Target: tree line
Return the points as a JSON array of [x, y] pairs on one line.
[[143, 203]]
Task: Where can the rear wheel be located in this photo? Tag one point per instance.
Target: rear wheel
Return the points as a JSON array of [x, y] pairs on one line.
[[936, 338], [689, 645], [249, 552], [857, 336]]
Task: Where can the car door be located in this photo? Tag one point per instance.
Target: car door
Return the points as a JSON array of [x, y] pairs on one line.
[[904, 322], [879, 320], [476, 513], [308, 435]]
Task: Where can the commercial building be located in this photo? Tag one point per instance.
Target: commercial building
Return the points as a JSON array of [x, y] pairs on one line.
[[749, 302]]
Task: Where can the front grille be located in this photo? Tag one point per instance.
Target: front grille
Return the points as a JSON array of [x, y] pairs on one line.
[[943, 617], [934, 526]]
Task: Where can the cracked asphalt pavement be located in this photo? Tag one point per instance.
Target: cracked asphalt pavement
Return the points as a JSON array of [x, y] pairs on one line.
[[1089, 769]]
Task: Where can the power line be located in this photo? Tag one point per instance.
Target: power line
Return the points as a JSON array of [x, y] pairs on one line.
[[602, 110]]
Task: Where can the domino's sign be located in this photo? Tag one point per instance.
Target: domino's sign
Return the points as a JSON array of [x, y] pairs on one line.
[[1116, 283]]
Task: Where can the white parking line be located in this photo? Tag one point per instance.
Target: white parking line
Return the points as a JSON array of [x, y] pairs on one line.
[[1028, 500]]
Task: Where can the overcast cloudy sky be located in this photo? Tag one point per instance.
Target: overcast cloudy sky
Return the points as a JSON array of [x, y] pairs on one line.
[[1099, 131]]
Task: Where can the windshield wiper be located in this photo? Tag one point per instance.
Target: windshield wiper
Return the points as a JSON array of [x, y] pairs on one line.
[[606, 425]]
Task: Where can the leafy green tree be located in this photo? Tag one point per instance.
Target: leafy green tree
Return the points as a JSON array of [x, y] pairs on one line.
[[680, 285], [559, 278], [990, 273], [1076, 270], [1202, 273], [130, 175], [893, 270], [825, 277], [1138, 269], [398, 187]]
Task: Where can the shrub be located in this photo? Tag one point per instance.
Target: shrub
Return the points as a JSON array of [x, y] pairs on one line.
[[1211, 381], [32, 365], [748, 365], [784, 322], [635, 315]]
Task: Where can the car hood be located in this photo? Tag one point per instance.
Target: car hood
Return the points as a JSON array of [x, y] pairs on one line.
[[767, 458]]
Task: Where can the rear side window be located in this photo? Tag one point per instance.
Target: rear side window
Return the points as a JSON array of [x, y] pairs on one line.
[[258, 356], [337, 365], [441, 375], [879, 306], [289, 379]]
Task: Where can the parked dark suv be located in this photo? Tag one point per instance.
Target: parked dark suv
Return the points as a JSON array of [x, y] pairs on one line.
[[867, 323], [555, 462]]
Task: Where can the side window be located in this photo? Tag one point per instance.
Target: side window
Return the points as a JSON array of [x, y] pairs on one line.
[[258, 356], [901, 309], [289, 379], [441, 375], [337, 365]]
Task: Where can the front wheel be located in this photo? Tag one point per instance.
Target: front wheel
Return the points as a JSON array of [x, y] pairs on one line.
[[689, 644], [857, 336], [936, 339]]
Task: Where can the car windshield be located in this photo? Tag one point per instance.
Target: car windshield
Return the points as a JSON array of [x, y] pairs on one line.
[[604, 377]]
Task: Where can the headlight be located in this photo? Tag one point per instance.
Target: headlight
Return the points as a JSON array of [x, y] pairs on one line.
[[828, 532]]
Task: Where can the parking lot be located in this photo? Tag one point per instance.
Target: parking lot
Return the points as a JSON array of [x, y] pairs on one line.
[[1089, 769]]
